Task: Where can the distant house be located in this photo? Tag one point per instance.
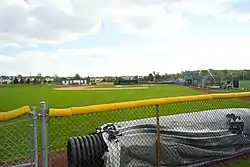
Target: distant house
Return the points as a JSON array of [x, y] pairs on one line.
[[48, 79], [31, 78], [6, 79], [98, 79]]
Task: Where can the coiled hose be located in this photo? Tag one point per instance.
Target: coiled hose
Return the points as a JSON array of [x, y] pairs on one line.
[[86, 151]]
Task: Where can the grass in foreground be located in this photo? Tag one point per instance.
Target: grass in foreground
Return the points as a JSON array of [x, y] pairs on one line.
[[244, 163]]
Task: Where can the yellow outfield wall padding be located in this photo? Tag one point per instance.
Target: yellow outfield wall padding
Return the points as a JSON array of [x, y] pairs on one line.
[[64, 112], [2, 116], [230, 95], [141, 103], [6, 116], [134, 104]]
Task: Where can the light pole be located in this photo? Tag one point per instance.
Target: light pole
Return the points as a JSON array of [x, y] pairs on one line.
[[243, 75]]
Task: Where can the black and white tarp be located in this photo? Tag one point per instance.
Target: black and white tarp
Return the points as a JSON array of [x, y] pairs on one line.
[[191, 139]]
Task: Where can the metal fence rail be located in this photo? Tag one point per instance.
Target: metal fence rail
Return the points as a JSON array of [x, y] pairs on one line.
[[167, 131]]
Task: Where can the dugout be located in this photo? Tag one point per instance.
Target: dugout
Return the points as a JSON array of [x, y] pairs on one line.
[[126, 82]]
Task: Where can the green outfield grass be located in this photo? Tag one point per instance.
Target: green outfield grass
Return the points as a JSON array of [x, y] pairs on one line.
[[15, 96], [61, 129], [245, 84]]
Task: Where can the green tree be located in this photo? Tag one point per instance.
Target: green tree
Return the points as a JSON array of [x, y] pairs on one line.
[[28, 81], [166, 76], [44, 81], [145, 78], [77, 76], [56, 79], [15, 81], [88, 80], [157, 76], [39, 78], [19, 76], [35, 81], [150, 77], [21, 80]]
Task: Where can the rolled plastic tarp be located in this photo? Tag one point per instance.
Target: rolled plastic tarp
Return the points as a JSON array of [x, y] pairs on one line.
[[191, 139], [9, 115]]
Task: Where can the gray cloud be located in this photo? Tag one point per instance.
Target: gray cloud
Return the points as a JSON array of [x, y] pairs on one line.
[[49, 21]]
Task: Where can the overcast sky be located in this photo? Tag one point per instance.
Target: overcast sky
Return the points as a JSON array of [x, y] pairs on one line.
[[122, 37]]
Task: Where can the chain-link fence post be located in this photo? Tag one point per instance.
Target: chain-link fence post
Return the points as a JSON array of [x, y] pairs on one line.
[[44, 134], [158, 142], [34, 137]]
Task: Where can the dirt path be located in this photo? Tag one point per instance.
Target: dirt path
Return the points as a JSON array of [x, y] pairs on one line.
[[202, 90], [100, 88], [58, 159]]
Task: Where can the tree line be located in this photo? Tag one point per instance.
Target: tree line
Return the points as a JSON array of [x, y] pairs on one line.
[[222, 74], [29, 81], [154, 76]]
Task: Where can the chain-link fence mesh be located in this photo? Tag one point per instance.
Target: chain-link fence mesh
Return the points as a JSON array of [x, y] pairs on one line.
[[135, 137], [204, 132], [15, 141], [63, 128]]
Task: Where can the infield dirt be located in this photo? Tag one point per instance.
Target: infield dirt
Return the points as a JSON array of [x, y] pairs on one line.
[[98, 88]]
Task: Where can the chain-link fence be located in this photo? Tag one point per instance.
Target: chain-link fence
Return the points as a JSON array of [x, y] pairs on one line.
[[151, 133], [17, 137], [178, 131], [61, 129]]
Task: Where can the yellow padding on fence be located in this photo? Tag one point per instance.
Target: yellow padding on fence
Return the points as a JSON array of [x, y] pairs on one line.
[[64, 112], [140, 103], [134, 104], [6, 116], [230, 95]]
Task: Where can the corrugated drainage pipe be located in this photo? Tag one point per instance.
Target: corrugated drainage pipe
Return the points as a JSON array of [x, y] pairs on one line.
[[86, 151]]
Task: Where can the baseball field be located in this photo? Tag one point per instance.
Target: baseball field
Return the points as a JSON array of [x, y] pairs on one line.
[[15, 96]]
